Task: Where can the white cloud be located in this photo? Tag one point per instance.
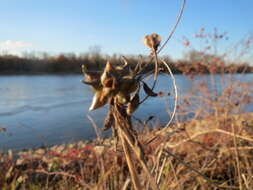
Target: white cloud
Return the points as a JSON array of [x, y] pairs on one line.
[[14, 45]]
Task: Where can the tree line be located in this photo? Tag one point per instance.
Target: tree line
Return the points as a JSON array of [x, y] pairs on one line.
[[194, 62]]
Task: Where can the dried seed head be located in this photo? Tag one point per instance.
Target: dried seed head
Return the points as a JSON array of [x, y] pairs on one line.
[[99, 100], [108, 73], [152, 41], [128, 86]]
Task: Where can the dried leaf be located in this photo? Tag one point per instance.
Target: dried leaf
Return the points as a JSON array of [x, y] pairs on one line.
[[108, 73], [98, 100], [148, 90]]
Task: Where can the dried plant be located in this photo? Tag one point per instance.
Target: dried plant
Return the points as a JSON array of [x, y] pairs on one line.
[[120, 87]]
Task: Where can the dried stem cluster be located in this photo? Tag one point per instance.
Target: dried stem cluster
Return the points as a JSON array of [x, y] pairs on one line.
[[120, 87]]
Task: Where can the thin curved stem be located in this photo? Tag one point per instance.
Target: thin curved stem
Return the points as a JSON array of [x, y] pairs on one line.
[[174, 27], [175, 91]]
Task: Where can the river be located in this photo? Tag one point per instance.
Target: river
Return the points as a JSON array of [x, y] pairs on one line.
[[44, 110]]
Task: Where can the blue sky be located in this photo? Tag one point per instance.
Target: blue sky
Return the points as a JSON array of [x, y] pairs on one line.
[[117, 26]]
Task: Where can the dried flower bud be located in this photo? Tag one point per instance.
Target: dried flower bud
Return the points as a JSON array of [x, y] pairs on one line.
[[152, 41]]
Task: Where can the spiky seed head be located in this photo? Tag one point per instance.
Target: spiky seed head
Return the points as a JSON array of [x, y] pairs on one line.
[[98, 100], [109, 72]]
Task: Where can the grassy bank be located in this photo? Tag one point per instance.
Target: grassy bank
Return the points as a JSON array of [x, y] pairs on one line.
[[215, 153]]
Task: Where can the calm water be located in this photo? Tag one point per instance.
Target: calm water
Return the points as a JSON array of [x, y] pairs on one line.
[[48, 109]]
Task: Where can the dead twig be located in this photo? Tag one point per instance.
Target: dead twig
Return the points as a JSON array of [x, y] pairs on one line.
[[98, 133]]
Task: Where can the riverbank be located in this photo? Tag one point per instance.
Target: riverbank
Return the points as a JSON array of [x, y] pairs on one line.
[[207, 153]]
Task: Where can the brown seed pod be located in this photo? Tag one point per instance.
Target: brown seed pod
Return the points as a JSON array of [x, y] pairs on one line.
[[108, 73], [133, 104], [99, 100], [152, 41]]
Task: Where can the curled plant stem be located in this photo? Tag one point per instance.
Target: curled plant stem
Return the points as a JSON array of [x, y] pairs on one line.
[[175, 92]]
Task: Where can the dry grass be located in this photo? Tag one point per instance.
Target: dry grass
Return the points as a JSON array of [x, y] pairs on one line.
[[206, 154]]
